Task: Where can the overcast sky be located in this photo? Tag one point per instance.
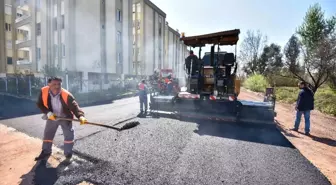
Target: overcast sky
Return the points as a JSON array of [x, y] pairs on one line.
[[278, 19]]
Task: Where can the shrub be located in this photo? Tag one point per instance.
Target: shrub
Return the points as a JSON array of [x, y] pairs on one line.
[[287, 94], [282, 81], [257, 83], [325, 99]]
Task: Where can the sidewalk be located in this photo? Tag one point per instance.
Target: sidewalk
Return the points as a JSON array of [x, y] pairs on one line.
[[18, 150]]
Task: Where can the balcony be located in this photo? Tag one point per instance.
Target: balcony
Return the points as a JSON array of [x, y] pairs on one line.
[[23, 20], [23, 43], [23, 62]]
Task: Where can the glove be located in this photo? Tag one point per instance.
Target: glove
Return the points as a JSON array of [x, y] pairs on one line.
[[51, 116], [82, 120]]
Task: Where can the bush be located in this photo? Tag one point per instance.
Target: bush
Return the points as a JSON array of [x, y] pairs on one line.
[[257, 83], [287, 94], [325, 99], [282, 81]]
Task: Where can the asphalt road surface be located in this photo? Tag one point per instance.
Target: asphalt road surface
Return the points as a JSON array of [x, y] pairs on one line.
[[171, 151]]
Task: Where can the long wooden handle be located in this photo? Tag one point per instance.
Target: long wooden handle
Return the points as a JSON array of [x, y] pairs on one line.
[[90, 123]]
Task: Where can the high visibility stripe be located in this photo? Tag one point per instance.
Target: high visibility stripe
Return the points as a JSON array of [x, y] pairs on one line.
[[45, 94], [212, 97], [48, 141], [68, 142], [189, 96]]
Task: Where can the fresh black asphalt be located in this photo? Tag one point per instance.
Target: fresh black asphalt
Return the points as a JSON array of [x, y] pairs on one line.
[[171, 151]]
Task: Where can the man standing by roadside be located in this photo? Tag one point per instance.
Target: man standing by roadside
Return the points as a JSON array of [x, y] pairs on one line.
[[56, 102], [143, 96], [304, 104]]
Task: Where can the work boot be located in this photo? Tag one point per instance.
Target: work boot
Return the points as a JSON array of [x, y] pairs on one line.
[[43, 156], [68, 157], [295, 129], [307, 134]]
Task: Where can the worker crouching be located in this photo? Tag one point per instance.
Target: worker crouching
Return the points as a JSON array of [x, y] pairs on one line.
[[143, 96], [56, 102]]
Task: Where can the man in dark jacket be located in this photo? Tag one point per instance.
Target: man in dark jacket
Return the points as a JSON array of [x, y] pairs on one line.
[[304, 104], [191, 62]]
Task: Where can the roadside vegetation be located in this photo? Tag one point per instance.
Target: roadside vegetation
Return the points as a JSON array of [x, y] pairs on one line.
[[309, 56]]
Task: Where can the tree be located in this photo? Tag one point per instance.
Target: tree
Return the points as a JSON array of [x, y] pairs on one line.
[[270, 60], [251, 49], [316, 35], [292, 53], [50, 70]]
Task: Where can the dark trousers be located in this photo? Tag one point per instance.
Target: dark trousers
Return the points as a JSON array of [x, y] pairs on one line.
[[143, 101]]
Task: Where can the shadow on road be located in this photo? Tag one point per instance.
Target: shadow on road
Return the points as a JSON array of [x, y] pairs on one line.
[[40, 174], [257, 133]]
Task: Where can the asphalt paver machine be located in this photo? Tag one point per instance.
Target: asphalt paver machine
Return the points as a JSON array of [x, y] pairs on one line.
[[213, 88]]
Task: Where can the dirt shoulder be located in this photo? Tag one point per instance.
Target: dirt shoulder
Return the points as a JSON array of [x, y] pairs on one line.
[[18, 150], [320, 147]]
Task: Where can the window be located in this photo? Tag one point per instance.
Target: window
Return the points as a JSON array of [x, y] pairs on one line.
[[38, 29], [160, 26], [55, 23], [119, 58], [8, 27], [55, 50], [38, 54], [26, 54], [62, 26], [38, 4], [63, 50], [119, 37], [119, 15], [9, 60]]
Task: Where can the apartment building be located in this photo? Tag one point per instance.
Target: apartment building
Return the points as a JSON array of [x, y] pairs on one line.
[[101, 32], [16, 53], [148, 37]]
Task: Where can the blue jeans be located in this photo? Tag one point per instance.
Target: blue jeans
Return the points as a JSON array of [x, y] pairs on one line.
[[143, 101], [306, 115]]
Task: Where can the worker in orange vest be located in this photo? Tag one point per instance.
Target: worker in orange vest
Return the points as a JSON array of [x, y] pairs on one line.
[[54, 101], [143, 96]]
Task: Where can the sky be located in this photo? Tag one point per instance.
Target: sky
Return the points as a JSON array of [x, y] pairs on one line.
[[278, 19]]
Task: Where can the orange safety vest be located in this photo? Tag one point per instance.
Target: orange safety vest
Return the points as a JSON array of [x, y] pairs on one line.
[[45, 93], [141, 86]]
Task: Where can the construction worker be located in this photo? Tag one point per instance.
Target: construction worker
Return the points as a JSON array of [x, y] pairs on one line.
[[143, 96], [191, 61], [56, 102]]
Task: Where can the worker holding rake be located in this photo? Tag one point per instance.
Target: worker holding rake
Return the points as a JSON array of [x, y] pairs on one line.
[[56, 102]]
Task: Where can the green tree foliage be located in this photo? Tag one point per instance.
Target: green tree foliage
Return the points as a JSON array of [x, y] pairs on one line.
[[49, 70], [317, 37], [270, 60], [292, 53], [257, 83]]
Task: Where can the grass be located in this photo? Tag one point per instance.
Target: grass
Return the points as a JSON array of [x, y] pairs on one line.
[[325, 98]]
